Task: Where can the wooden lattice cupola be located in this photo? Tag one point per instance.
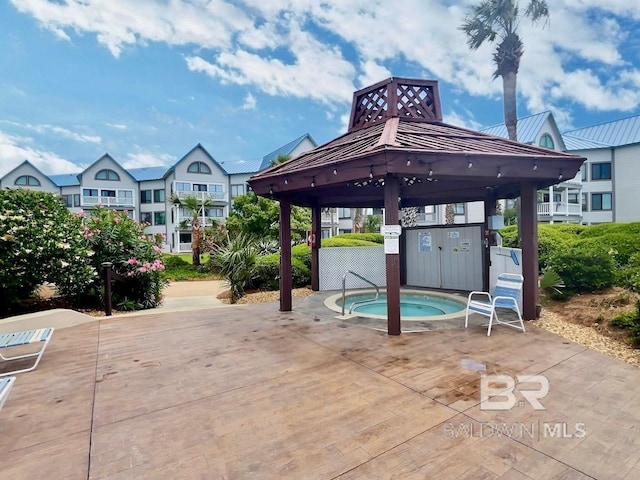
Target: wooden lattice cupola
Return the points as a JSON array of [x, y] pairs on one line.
[[413, 99]]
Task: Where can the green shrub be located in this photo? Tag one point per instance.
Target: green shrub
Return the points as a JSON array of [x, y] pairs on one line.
[[510, 236], [173, 261], [630, 321], [629, 275], [40, 241], [367, 237], [584, 268], [551, 239], [116, 238], [605, 229], [337, 241], [237, 261], [303, 253], [621, 246], [267, 273]]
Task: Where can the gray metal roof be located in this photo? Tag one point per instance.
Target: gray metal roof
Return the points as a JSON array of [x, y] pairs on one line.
[[242, 166], [528, 128], [617, 133], [147, 173], [575, 143], [65, 179], [283, 150]]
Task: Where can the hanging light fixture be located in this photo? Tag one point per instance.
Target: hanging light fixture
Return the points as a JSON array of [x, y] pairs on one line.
[[560, 177], [313, 182], [430, 171], [535, 166], [499, 173], [470, 164], [370, 171]]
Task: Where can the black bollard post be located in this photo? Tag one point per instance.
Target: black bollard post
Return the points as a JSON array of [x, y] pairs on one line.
[[107, 287]]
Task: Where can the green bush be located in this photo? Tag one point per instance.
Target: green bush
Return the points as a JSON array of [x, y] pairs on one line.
[[173, 261], [367, 237], [116, 238], [510, 236], [237, 261], [605, 229], [303, 253], [584, 268], [621, 246], [337, 241], [267, 273], [40, 241], [630, 321]]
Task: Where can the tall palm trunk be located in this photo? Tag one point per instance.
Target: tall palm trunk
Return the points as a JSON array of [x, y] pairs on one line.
[[510, 104]]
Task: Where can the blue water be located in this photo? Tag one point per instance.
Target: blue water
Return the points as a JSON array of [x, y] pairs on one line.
[[411, 305]]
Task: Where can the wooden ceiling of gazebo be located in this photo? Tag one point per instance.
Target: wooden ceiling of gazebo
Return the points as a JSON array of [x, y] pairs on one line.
[[396, 129]]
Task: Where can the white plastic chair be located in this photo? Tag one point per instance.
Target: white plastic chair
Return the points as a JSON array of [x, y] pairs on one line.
[[505, 295], [26, 337], [6, 384]]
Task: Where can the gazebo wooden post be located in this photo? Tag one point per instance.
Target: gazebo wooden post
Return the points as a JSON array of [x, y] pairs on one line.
[[316, 230], [285, 256], [488, 239], [391, 217], [529, 239]]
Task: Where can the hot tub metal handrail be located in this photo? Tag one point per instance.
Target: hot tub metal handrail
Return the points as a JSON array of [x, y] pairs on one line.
[[344, 281]]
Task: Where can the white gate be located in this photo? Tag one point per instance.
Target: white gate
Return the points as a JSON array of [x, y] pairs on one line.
[[449, 257]]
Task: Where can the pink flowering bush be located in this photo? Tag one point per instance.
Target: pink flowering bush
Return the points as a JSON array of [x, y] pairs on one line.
[[116, 238]]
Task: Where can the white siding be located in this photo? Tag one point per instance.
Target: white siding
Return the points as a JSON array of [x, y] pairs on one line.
[[9, 180], [626, 175]]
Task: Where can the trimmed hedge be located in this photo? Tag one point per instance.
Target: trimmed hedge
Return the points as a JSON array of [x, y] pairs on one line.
[[267, 273], [367, 237], [584, 268]]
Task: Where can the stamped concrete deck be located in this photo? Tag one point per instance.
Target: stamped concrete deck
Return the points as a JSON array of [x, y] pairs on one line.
[[248, 392]]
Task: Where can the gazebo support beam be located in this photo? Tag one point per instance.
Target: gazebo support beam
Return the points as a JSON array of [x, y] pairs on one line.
[[316, 233], [391, 217], [489, 240], [529, 241], [286, 283]]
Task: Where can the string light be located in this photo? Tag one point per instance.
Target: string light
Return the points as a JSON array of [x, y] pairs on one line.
[[535, 167], [499, 173], [313, 182], [270, 189], [470, 164], [560, 177], [430, 171], [408, 162], [335, 171], [370, 171], [286, 181]]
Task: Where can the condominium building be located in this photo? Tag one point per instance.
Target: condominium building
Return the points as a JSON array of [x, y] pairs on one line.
[[145, 193]]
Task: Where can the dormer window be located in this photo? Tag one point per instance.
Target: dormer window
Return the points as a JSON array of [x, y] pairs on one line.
[[199, 167], [107, 174], [27, 181], [546, 141]]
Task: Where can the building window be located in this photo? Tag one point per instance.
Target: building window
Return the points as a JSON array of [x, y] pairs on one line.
[[108, 193], [585, 207], [326, 233], [158, 196], [546, 141], [199, 167], [145, 196], [27, 181], [183, 187], [600, 201], [67, 200], [146, 217], [344, 213], [199, 187], [76, 199], [215, 212], [458, 208], [601, 171], [159, 218], [237, 190], [90, 192], [572, 198], [583, 172], [185, 237], [249, 189], [107, 174]]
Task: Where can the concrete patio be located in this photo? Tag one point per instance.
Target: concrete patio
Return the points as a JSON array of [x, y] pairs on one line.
[[249, 392]]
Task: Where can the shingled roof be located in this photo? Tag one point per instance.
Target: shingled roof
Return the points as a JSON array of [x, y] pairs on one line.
[[396, 129]]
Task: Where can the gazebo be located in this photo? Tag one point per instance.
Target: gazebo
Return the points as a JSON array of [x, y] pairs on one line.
[[398, 153]]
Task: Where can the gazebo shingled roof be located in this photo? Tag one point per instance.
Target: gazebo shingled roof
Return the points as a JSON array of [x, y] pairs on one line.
[[398, 153], [405, 137]]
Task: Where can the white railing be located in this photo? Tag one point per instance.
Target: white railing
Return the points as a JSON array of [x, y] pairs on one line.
[[559, 208], [108, 201], [203, 195], [208, 220], [184, 247], [426, 217]]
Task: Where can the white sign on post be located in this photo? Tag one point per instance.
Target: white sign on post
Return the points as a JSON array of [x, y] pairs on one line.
[[391, 238]]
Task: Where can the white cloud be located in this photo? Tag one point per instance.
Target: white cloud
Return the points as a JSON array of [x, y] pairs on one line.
[[61, 131], [322, 50], [250, 102], [117, 126], [146, 159], [14, 151]]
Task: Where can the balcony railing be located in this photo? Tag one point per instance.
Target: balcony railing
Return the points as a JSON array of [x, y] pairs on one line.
[[184, 247], [212, 196], [108, 201], [426, 217], [559, 209]]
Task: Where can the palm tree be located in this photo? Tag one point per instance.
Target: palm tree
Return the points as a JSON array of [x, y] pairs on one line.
[[197, 222], [499, 19]]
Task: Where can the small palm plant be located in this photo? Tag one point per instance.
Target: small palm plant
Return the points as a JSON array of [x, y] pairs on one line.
[[237, 262], [551, 282]]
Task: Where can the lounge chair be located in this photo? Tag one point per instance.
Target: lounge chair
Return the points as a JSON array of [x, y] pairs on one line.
[[505, 295], [10, 340], [6, 384]]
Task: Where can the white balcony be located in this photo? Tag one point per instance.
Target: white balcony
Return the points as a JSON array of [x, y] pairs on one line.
[[184, 247], [559, 209], [201, 196], [108, 201], [426, 218]]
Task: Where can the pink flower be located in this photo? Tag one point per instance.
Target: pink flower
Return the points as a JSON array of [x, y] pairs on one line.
[[142, 269], [130, 274], [133, 261], [116, 219], [157, 249]]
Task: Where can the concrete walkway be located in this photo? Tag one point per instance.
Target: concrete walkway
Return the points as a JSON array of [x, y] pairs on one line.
[[179, 297]]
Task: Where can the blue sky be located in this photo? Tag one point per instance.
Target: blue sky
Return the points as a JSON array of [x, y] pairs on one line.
[[147, 80]]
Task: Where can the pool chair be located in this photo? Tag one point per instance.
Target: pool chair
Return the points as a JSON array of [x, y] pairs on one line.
[[9, 341], [505, 296], [6, 384]]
